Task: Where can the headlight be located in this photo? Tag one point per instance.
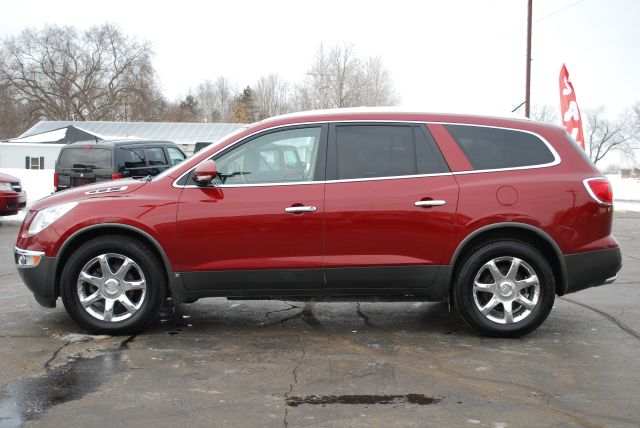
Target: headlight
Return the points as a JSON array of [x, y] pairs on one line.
[[48, 215], [6, 186]]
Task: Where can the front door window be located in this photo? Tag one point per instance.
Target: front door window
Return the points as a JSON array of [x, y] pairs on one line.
[[279, 157]]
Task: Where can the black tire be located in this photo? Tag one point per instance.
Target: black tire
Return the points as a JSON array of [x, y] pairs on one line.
[[497, 322], [146, 268]]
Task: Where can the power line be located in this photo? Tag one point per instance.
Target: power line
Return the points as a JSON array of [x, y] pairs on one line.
[[543, 17], [558, 11]]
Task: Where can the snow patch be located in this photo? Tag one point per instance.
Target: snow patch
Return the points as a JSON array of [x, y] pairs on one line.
[[38, 183], [46, 137]]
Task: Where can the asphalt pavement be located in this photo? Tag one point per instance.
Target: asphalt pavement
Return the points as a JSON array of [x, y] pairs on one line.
[[290, 364]]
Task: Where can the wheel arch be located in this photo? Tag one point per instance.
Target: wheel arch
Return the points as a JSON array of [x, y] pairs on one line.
[[81, 236], [518, 231]]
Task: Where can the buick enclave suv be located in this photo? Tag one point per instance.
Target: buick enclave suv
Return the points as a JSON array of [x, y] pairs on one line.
[[496, 216]]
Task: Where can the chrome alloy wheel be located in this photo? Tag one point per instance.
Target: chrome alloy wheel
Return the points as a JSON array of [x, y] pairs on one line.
[[111, 287], [506, 290]]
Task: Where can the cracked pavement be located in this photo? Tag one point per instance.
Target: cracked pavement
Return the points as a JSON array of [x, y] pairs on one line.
[[352, 364]]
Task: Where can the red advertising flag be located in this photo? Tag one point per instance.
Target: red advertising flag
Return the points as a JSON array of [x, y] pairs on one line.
[[569, 108]]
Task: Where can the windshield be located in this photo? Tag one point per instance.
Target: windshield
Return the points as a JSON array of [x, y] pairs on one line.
[[81, 157], [201, 154]]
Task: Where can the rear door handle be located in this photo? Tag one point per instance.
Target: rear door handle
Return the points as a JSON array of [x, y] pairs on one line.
[[430, 203], [302, 209]]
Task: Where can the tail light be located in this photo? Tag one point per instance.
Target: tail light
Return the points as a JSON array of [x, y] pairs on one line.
[[55, 180], [116, 175], [600, 190]]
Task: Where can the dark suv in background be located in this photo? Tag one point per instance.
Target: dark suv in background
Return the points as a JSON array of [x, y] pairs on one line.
[[86, 162]]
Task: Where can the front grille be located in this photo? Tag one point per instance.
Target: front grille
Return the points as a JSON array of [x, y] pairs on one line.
[[17, 187]]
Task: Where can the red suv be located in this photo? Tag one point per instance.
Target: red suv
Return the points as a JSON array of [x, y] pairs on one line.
[[12, 197], [495, 215]]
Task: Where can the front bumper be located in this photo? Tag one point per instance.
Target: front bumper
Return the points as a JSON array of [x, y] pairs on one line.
[[38, 276], [592, 268], [11, 202]]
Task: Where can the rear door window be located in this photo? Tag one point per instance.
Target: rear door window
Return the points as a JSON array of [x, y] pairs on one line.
[[498, 148], [370, 151], [155, 156], [85, 158], [134, 157]]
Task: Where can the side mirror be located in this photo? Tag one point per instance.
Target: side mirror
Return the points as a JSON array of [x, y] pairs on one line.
[[205, 172]]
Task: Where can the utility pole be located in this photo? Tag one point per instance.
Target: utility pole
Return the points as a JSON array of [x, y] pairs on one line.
[[527, 99]]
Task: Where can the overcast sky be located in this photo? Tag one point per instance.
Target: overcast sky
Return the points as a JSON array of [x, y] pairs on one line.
[[453, 56]]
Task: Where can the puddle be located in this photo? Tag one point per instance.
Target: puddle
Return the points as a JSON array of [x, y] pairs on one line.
[[175, 321], [420, 399], [177, 324], [30, 398]]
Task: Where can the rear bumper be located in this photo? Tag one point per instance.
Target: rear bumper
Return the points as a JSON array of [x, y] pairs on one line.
[[592, 268]]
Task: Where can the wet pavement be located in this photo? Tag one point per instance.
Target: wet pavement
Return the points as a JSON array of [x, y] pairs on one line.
[[269, 363]]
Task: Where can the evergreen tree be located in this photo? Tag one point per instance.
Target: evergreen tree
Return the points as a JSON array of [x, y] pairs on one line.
[[244, 107]]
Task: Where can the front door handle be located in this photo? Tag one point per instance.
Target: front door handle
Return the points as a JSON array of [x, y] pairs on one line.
[[301, 209], [430, 203]]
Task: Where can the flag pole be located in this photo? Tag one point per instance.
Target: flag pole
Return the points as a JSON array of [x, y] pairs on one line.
[[527, 105]]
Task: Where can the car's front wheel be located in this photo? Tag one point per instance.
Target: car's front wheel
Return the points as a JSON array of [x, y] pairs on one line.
[[112, 285], [505, 289]]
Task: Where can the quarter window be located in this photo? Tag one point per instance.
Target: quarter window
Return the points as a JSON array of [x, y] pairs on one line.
[[278, 157], [368, 151], [497, 148]]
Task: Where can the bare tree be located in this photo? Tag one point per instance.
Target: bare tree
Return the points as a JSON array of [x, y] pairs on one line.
[[545, 113], [144, 100], [15, 116], [215, 99], [89, 75], [346, 80], [605, 136], [339, 78], [271, 96], [314, 92], [377, 87]]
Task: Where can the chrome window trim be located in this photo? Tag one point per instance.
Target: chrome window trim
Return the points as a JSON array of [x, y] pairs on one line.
[[231, 186], [391, 177], [345, 180], [555, 154]]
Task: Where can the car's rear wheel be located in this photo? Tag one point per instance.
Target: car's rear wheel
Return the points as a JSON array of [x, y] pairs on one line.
[[505, 289], [112, 285]]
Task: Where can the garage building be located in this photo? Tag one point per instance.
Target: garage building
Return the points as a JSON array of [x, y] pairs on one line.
[[38, 147]]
